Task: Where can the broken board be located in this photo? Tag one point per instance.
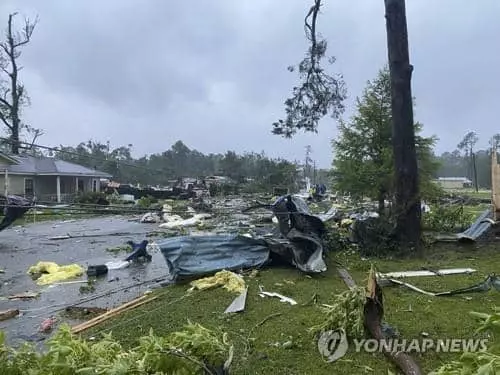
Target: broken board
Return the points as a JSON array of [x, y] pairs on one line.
[[238, 304], [450, 271]]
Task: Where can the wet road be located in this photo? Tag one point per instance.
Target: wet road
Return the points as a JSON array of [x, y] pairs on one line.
[[22, 247]]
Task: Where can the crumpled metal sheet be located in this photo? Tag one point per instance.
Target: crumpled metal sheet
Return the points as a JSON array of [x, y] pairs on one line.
[[15, 208], [300, 245], [202, 255], [302, 233], [481, 226]]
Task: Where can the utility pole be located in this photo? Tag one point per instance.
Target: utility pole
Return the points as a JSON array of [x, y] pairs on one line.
[[307, 168]]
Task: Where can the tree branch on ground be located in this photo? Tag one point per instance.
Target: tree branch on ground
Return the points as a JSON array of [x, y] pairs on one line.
[[319, 93]]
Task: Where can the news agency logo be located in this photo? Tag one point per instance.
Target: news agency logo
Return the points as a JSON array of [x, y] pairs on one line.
[[334, 344]]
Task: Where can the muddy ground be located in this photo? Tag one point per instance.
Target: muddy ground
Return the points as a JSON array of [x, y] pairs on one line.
[[22, 247]]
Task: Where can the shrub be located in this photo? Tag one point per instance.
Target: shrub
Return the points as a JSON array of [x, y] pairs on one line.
[[147, 201], [447, 219], [91, 198]]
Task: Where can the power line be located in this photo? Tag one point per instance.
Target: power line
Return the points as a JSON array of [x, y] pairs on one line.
[[73, 153], [29, 146]]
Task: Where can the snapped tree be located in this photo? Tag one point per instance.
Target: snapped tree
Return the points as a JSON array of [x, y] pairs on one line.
[[13, 95], [318, 93], [363, 154], [407, 194], [467, 146]]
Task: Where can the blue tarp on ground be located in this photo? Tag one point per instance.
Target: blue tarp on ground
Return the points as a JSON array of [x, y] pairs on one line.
[[199, 255]]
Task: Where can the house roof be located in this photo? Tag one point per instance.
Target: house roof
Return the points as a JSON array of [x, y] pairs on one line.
[[458, 179], [33, 165]]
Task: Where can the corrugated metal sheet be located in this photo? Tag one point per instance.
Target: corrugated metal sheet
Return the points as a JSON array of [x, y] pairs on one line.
[[479, 228]]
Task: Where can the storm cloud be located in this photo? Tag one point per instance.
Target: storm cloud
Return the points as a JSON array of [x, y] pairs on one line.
[[213, 73]]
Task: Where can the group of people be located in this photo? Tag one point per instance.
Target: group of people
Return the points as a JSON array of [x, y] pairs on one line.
[[318, 189]]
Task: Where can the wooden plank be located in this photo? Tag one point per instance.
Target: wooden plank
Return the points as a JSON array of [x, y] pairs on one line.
[[450, 271], [111, 313], [8, 314]]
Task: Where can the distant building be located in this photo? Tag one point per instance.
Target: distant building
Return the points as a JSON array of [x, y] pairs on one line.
[[217, 180], [450, 183], [46, 178]]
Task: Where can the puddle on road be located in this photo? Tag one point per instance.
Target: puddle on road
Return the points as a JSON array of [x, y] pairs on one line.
[[22, 247]]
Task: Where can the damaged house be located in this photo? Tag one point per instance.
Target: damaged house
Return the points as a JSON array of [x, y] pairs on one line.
[[46, 178]]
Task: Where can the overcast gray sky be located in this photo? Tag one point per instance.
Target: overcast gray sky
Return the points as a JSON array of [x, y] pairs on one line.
[[213, 72]]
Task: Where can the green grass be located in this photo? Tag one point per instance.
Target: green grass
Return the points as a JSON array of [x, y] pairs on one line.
[[440, 317], [476, 210], [472, 193]]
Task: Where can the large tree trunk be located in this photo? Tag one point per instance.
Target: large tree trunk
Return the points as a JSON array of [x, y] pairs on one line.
[[407, 208], [15, 140]]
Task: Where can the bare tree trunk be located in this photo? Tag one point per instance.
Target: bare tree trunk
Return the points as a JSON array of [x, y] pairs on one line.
[[15, 94], [474, 169], [407, 210], [9, 68]]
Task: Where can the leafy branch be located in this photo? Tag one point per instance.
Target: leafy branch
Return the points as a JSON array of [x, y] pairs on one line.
[[319, 93]]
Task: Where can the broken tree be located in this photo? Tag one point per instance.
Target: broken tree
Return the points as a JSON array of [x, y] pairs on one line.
[[13, 95], [319, 93], [407, 194]]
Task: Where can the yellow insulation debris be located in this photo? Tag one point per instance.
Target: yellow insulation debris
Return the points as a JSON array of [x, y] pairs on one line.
[[52, 272], [226, 279], [346, 222]]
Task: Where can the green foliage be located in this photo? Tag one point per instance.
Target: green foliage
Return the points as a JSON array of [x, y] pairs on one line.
[[119, 249], [363, 163], [147, 202], [337, 239], [319, 93], [184, 352], [346, 312], [90, 197], [178, 161], [447, 218], [455, 164], [480, 362]]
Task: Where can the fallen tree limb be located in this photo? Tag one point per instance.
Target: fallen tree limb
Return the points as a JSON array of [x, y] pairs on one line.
[[374, 311], [346, 277], [111, 313]]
